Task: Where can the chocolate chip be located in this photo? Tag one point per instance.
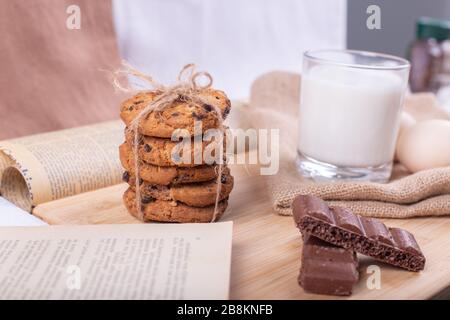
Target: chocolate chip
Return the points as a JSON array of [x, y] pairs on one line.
[[218, 98], [126, 176], [141, 181], [198, 117], [147, 200], [227, 111], [139, 102], [130, 108], [147, 148], [175, 114], [223, 179], [207, 107]]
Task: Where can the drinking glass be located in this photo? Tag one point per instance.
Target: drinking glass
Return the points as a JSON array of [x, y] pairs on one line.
[[350, 109]]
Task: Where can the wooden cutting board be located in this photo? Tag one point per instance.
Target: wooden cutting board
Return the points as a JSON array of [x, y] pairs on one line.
[[267, 247]]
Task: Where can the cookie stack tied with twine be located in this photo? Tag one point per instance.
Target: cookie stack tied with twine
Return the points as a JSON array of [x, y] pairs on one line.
[[162, 187]]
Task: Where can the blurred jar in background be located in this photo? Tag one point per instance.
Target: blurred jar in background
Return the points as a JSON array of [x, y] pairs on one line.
[[428, 55], [443, 78]]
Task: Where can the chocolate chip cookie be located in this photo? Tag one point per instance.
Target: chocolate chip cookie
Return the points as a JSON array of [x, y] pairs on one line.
[[193, 194], [171, 211], [181, 114], [165, 175], [165, 152]]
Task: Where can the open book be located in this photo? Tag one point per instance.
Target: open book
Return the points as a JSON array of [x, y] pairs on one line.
[[50, 166], [130, 261]]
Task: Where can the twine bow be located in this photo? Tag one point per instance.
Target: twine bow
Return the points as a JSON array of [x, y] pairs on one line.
[[188, 87]]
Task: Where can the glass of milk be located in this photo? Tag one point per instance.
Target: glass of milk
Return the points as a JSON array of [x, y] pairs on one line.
[[350, 109]]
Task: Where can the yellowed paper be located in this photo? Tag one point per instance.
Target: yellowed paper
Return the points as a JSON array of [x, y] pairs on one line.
[[50, 166], [137, 261]]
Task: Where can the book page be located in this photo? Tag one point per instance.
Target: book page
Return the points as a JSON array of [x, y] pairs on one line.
[[13, 216], [45, 167], [136, 261]]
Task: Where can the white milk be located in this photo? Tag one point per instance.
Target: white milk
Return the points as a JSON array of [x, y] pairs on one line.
[[349, 116]]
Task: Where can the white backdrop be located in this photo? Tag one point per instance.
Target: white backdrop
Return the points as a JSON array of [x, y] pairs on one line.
[[235, 40]]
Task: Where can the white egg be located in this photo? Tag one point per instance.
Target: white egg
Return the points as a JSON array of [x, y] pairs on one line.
[[425, 145], [406, 121]]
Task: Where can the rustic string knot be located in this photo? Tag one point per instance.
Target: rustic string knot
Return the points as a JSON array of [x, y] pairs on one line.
[[193, 78]]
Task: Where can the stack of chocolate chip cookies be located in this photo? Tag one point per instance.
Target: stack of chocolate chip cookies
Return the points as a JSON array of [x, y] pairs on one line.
[[171, 191]]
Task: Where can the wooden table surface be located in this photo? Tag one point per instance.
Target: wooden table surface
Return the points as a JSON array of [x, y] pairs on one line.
[[267, 247]]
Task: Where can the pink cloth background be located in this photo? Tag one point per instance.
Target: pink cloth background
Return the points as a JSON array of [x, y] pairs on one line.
[[51, 76]]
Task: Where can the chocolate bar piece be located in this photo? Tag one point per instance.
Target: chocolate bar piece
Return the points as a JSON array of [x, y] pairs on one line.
[[367, 236], [327, 269]]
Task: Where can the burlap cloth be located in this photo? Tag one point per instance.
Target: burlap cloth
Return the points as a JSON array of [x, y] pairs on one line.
[[274, 104]]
